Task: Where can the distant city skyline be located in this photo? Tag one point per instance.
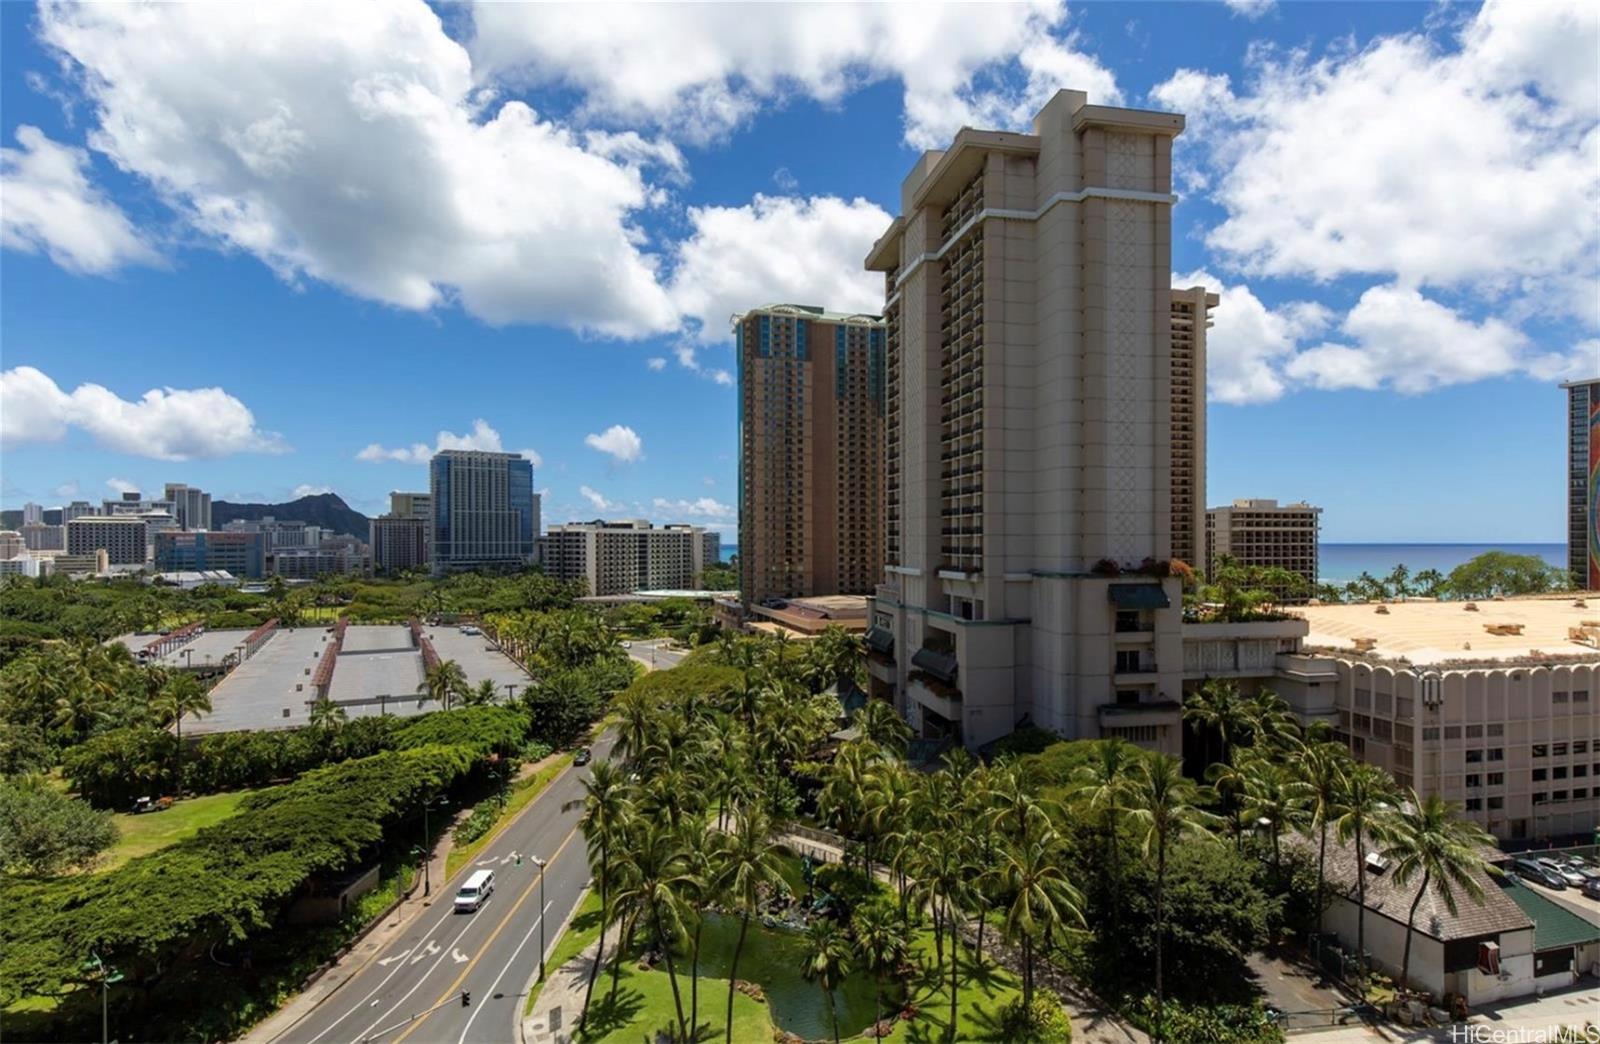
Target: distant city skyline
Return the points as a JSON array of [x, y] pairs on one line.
[[194, 317]]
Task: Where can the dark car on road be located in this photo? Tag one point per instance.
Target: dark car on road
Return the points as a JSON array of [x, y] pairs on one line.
[[1591, 888], [582, 756]]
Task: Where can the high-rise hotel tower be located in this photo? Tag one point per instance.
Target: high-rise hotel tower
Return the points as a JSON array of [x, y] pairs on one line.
[[1029, 477], [810, 452], [485, 512], [1583, 483]]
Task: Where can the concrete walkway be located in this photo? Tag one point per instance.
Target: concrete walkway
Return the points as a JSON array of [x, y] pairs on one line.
[[554, 1019], [1530, 1020]]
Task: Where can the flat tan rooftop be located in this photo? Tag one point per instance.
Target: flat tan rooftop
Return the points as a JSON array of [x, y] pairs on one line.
[[1431, 632]]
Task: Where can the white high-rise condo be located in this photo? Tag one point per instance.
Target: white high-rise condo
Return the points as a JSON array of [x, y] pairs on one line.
[[1029, 424]]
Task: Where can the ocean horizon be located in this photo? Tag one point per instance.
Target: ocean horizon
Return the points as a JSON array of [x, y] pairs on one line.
[[1339, 563]]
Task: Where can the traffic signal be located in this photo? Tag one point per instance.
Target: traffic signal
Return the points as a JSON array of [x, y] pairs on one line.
[[466, 999]]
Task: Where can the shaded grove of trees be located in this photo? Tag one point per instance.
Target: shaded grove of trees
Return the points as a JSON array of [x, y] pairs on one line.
[[1489, 574]]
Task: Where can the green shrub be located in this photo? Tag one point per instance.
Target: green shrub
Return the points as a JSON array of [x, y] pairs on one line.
[[478, 823], [1197, 1023], [1042, 1022]]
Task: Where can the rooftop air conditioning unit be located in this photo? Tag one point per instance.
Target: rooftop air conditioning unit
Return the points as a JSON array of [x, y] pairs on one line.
[[1376, 863]]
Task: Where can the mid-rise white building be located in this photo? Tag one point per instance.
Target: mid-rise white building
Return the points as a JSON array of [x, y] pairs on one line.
[[620, 557], [1259, 532], [33, 514]]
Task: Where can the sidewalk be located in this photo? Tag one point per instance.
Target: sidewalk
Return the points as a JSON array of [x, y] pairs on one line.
[[1535, 1019], [378, 938], [554, 1019], [360, 953]]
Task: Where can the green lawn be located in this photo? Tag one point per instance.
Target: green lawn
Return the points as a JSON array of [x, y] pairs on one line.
[[983, 996], [143, 834], [644, 999], [522, 792]]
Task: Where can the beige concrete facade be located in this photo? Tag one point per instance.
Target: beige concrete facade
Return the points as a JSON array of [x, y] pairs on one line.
[[624, 556], [1191, 318], [124, 538], [811, 421], [1259, 532], [1029, 405], [1452, 702]]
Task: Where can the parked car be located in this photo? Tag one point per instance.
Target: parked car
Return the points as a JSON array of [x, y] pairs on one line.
[[1591, 888], [144, 804], [1563, 871], [1584, 867], [582, 756], [1538, 874]]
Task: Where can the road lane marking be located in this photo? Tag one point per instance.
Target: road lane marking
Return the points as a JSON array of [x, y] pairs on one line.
[[488, 943], [432, 948], [402, 955], [560, 806], [496, 984], [429, 971], [456, 955]]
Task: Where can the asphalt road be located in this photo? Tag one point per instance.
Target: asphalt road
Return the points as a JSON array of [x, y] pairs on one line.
[[653, 653], [413, 992]]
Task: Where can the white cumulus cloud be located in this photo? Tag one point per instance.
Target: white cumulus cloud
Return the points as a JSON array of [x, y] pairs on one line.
[[481, 437], [1471, 167], [700, 70], [656, 363], [619, 441], [349, 143], [728, 263], [597, 500], [305, 490], [121, 485], [51, 207], [163, 423], [698, 509], [1249, 343]]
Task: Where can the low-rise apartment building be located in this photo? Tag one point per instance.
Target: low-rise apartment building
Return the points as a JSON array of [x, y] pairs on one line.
[[627, 555], [242, 554], [11, 544], [1491, 705]]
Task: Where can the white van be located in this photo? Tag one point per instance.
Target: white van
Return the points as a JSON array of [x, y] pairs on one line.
[[477, 888]]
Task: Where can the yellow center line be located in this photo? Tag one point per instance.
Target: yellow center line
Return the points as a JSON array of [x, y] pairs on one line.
[[489, 942]]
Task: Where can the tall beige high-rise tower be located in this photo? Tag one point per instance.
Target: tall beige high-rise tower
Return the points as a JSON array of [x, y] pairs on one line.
[[810, 452], [1030, 415], [1191, 318]]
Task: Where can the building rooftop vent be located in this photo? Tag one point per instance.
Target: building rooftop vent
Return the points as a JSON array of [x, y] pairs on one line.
[[1376, 864]]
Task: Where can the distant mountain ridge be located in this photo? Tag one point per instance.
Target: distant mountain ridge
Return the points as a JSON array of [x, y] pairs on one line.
[[327, 510]]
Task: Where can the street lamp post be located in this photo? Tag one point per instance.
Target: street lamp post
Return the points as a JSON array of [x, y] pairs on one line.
[[511, 688], [107, 976], [427, 849], [541, 864]]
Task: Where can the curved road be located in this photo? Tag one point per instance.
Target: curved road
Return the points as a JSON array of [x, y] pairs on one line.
[[413, 991]]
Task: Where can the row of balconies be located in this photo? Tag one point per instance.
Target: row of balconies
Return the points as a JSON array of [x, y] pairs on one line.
[[969, 450]]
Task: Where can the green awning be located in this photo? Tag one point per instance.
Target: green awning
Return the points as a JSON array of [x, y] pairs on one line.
[[1138, 596]]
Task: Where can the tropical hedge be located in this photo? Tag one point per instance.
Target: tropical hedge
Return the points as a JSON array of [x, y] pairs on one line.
[[112, 769], [222, 885]]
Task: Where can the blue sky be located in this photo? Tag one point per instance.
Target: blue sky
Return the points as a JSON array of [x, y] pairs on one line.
[[296, 247]]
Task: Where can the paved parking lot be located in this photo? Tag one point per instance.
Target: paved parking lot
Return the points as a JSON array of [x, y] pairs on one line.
[[271, 690], [479, 658]]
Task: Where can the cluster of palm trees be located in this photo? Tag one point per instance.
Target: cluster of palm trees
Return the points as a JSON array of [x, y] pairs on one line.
[[1275, 777], [1399, 583], [550, 640], [446, 684]]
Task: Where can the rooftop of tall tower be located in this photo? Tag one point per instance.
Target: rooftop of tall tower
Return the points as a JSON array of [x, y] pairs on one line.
[[815, 312]]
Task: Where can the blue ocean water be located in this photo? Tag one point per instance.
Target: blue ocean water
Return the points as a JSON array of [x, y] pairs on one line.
[[1341, 563]]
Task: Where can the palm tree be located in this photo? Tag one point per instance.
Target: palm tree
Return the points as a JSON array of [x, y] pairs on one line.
[[1430, 582], [827, 962], [442, 681], [327, 717], [1322, 768], [1217, 705], [1164, 807], [1274, 796], [1399, 580], [659, 866], [1102, 783], [1428, 838], [482, 695], [881, 724], [182, 695], [882, 942], [607, 810], [699, 886], [749, 863], [637, 725], [1043, 900], [1363, 801]]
